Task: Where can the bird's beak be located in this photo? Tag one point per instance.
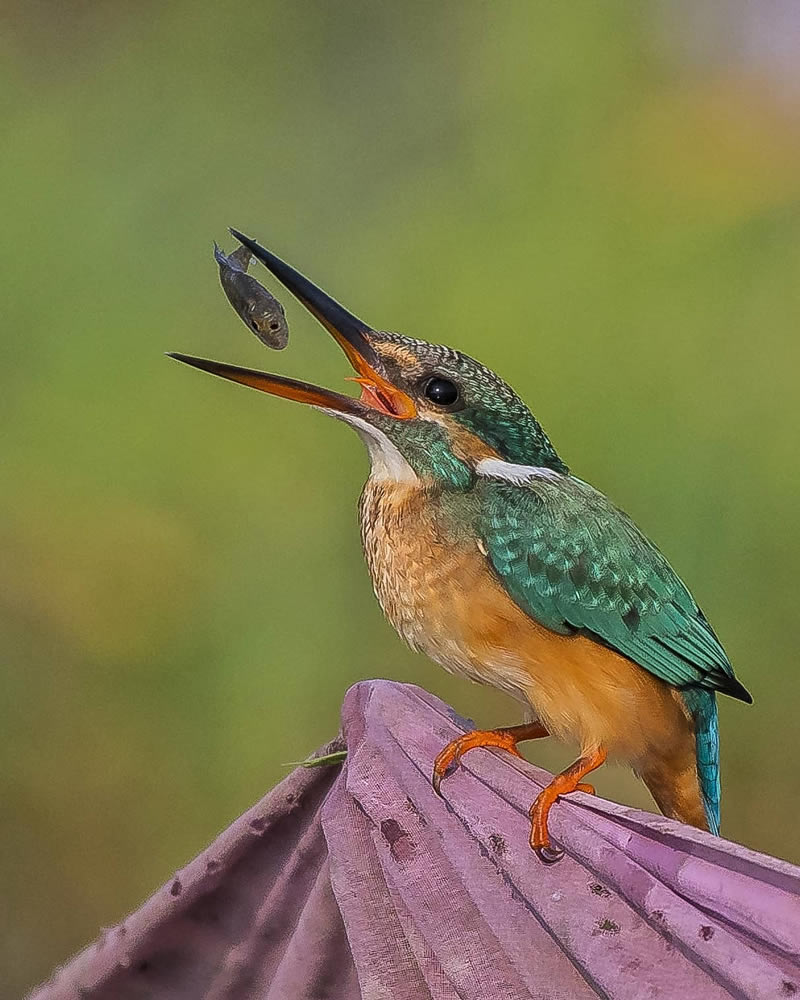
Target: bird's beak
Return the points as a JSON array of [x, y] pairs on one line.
[[352, 335]]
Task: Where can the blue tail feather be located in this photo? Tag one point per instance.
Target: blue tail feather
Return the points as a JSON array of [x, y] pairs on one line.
[[703, 706]]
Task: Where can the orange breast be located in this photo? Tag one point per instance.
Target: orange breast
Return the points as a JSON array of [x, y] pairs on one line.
[[422, 573]]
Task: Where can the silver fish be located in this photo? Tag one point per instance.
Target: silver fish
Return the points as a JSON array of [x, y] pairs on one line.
[[256, 307]]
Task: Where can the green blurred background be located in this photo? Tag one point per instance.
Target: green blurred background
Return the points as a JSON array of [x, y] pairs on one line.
[[601, 201]]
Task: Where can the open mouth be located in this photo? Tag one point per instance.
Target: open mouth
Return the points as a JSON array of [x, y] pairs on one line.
[[378, 395]]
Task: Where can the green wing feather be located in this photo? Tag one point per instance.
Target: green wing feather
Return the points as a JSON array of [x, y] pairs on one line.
[[575, 563]]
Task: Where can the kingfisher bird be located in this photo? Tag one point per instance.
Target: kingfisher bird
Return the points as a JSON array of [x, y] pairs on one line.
[[490, 556]]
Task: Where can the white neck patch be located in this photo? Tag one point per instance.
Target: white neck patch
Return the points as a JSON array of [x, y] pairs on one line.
[[496, 468], [387, 462]]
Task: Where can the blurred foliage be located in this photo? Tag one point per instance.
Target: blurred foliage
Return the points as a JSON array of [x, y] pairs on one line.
[[557, 189]]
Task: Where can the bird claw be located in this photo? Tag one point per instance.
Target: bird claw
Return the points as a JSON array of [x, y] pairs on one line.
[[436, 780], [549, 855], [507, 739], [449, 757]]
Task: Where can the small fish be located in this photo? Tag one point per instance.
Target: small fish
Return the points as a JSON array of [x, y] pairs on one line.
[[256, 307]]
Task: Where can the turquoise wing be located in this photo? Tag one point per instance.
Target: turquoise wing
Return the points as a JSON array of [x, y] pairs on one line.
[[576, 563]]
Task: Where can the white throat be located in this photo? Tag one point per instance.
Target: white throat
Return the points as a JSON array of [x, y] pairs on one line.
[[387, 462]]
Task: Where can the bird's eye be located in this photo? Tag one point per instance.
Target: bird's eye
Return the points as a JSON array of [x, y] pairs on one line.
[[441, 391]]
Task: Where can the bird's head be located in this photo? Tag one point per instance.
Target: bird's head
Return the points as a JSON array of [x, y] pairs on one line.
[[426, 412]]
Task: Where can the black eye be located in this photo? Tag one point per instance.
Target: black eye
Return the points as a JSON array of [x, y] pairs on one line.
[[441, 391]]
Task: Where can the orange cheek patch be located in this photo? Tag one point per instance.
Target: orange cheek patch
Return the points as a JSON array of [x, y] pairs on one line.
[[401, 356], [465, 445]]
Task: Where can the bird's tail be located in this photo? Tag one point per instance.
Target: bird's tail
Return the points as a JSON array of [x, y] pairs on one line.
[[703, 706]]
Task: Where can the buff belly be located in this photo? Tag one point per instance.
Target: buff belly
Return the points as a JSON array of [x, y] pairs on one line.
[[437, 589]]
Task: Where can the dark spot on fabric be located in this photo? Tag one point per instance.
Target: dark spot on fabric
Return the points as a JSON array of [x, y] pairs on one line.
[[788, 988], [175, 888], [599, 890], [258, 824], [290, 798], [631, 618], [392, 831], [497, 843], [212, 865], [143, 966], [400, 844], [608, 926], [659, 918], [706, 932]]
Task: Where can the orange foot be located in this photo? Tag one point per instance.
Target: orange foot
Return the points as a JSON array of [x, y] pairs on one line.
[[562, 784], [506, 738]]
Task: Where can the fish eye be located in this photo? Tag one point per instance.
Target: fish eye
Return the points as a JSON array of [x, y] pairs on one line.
[[441, 391], [274, 325]]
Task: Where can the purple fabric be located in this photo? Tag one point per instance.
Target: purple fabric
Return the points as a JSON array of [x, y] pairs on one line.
[[358, 881]]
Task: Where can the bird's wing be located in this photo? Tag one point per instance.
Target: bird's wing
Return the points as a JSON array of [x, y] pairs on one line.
[[575, 563]]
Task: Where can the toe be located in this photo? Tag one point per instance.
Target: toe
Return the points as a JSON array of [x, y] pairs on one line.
[[438, 773], [549, 855]]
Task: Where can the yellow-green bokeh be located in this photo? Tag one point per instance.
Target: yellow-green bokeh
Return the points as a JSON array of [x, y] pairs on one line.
[[562, 190]]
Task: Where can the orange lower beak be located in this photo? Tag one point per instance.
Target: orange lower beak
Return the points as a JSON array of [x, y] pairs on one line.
[[276, 385], [352, 335]]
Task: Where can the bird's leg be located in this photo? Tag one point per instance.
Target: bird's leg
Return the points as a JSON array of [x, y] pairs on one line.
[[568, 781], [505, 738]]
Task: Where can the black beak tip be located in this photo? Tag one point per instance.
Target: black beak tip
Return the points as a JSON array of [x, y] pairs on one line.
[[286, 274], [246, 240], [338, 320], [187, 359]]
